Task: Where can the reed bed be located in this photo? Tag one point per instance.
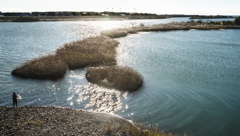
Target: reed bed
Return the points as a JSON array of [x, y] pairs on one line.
[[46, 67], [174, 26], [92, 51], [114, 33], [101, 50], [121, 78]]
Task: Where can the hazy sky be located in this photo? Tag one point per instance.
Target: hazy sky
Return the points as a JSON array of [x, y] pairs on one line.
[[204, 7]]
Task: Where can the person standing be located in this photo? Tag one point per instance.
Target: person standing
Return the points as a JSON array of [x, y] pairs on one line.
[[14, 98]]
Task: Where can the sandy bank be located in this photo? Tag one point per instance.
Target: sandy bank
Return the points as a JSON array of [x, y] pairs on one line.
[[59, 121]]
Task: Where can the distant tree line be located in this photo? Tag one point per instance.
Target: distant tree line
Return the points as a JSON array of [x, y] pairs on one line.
[[210, 17], [74, 13], [235, 22]]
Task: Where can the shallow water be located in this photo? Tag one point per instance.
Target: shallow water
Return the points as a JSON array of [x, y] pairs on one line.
[[191, 78]]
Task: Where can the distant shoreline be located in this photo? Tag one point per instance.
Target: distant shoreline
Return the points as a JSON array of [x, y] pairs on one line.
[[76, 18], [210, 17]]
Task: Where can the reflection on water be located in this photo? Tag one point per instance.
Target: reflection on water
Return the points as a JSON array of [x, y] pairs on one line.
[[100, 99]]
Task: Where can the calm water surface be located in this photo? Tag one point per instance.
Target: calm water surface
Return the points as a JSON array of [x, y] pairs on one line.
[[191, 78]]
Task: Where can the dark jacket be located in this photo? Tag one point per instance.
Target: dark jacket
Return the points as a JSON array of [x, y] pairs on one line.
[[14, 97]]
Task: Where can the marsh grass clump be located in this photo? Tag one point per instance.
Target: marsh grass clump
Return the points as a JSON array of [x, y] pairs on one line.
[[92, 51], [26, 19], [46, 67], [114, 33], [121, 78]]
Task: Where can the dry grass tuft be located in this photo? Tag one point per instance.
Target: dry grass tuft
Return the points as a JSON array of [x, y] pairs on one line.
[[63, 120], [121, 78], [35, 122], [47, 67], [92, 51]]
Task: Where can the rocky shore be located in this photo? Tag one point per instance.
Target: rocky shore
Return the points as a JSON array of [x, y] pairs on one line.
[[60, 121]]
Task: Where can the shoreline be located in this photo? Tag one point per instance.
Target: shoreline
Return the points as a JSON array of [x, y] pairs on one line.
[[75, 18], [60, 121]]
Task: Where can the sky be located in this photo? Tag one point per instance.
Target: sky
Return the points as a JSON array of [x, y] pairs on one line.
[[199, 7]]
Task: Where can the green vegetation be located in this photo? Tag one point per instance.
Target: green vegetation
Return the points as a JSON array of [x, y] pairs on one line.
[[47, 67], [237, 21], [121, 78], [92, 51], [26, 19]]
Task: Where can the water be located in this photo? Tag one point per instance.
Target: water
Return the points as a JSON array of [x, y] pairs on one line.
[[191, 78]]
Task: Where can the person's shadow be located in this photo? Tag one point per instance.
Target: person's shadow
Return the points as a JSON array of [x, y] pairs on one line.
[[8, 109]]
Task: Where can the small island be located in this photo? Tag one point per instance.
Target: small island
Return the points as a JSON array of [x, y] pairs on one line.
[[46, 67], [121, 78]]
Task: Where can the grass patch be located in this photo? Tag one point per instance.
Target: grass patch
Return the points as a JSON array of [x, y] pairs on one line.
[[121, 78], [47, 67], [92, 51], [26, 19]]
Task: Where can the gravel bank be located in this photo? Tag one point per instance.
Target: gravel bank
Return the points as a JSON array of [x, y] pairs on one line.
[[59, 121]]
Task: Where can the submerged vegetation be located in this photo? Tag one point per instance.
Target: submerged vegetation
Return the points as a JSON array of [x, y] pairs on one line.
[[47, 67], [122, 78], [26, 19]]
